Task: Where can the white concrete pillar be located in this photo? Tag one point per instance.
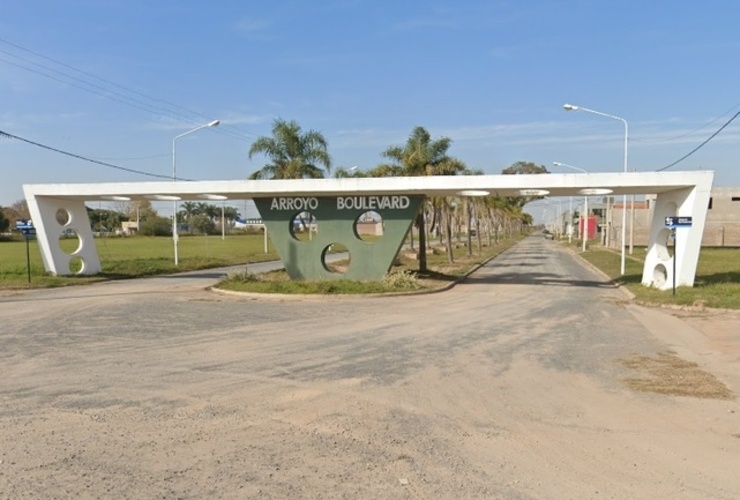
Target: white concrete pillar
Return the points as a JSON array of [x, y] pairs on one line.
[[658, 270], [52, 217]]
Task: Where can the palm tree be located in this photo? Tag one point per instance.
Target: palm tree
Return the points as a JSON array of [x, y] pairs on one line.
[[188, 209], [420, 156], [292, 153]]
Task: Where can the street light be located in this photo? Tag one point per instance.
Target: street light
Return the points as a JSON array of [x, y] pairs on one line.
[[585, 203], [214, 123], [571, 107]]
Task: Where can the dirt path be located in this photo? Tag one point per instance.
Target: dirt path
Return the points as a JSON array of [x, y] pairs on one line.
[[506, 387]]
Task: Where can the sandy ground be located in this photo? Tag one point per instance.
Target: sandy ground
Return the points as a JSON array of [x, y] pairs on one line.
[[506, 386]]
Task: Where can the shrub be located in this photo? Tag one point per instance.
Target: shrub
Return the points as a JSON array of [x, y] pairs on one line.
[[401, 279]]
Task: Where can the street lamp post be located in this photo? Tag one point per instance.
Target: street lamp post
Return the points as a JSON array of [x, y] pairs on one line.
[[571, 107], [175, 237], [585, 201]]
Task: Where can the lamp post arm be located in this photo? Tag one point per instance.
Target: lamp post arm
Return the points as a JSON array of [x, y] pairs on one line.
[[214, 123]]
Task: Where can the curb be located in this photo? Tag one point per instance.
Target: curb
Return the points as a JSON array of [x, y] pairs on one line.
[[300, 296], [626, 292]]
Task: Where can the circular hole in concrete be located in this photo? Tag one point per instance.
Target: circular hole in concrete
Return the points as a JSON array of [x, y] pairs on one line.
[[63, 217], [661, 245], [660, 275], [70, 242], [369, 226], [304, 226], [76, 265], [335, 258]]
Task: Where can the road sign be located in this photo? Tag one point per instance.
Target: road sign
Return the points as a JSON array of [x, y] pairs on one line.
[[676, 221], [29, 232], [23, 224]]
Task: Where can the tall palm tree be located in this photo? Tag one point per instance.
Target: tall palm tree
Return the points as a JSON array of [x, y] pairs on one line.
[[292, 153], [420, 156]]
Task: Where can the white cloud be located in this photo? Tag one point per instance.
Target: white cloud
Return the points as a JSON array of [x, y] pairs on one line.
[[256, 29]]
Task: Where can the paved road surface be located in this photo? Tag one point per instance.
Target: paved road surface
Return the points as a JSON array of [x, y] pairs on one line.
[[504, 387]]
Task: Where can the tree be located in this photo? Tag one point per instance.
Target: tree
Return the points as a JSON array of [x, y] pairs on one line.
[[202, 224], [293, 154], [20, 207], [155, 226], [342, 173], [4, 222], [187, 210], [140, 210], [420, 156], [524, 168], [18, 210], [102, 220], [231, 214]]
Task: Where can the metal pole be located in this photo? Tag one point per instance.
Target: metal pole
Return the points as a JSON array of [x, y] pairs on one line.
[[175, 236], [632, 223], [28, 259], [174, 203], [570, 220], [223, 230], [585, 222], [675, 247], [571, 107]]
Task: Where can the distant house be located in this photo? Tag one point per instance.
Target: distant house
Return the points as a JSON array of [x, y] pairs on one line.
[[129, 228], [722, 227]]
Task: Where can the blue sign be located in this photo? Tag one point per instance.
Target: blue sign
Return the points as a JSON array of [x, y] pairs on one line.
[[23, 224], [676, 221]]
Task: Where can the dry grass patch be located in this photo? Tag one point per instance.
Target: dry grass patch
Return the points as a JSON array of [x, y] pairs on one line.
[[666, 373]]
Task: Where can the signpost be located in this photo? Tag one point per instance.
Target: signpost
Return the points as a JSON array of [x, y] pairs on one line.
[[672, 223], [28, 231]]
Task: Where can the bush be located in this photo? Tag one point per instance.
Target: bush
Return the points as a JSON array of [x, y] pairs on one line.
[[243, 277], [401, 279], [156, 226]]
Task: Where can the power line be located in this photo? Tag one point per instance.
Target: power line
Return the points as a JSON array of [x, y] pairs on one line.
[[80, 157], [697, 148], [690, 132], [170, 110]]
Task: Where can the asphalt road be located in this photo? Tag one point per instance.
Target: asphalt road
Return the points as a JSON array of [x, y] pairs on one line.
[[505, 386]]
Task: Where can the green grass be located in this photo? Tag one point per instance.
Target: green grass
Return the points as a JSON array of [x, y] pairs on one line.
[[133, 257], [278, 282], [717, 281], [404, 276]]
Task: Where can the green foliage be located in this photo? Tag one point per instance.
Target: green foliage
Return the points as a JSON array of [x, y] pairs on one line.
[[155, 226], [401, 279], [4, 221], [523, 168], [293, 154], [102, 220], [420, 156], [202, 224], [717, 281], [134, 257]]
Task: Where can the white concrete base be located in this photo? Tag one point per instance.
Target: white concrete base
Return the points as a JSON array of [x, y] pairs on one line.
[[659, 263], [46, 213]]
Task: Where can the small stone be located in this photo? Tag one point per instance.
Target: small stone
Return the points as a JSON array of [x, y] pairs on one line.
[[404, 481]]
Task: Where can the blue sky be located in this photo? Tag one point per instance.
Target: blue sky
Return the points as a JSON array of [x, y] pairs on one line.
[[491, 75]]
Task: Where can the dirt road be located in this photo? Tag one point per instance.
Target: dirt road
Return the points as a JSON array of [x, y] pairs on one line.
[[507, 386]]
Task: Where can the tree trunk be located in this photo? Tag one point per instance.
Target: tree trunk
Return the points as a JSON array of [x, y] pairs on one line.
[[422, 240], [468, 224], [448, 231]]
